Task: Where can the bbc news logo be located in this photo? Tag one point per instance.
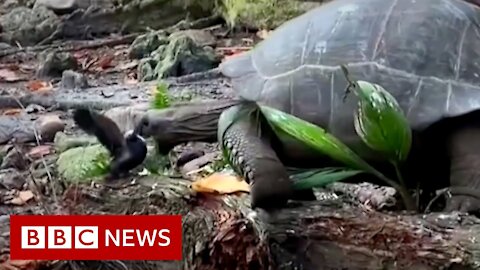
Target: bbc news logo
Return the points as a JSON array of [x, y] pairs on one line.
[[95, 237]]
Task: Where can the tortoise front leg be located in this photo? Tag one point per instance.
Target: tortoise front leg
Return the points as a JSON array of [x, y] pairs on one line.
[[464, 153], [246, 141]]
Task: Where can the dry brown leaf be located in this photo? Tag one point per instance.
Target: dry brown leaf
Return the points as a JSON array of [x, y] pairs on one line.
[[7, 75], [13, 111], [105, 62], [22, 198], [38, 85], [221, 183]]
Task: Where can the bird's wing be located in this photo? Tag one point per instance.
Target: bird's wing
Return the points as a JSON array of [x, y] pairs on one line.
[[105, 129]]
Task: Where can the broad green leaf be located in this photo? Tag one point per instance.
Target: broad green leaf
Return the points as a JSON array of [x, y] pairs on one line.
[[380, 122], [316, 137], [321, 177]]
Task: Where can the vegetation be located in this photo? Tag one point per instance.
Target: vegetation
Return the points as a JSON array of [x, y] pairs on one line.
[[262, 14], [380, 123], [161, 99]]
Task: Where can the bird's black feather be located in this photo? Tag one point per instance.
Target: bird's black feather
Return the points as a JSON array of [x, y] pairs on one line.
[[102, 127], [127, 152]]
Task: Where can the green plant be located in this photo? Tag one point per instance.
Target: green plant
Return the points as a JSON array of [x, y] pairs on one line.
[[379, 122], [99, 167], [321, 177], [267, 14], [161, 98]]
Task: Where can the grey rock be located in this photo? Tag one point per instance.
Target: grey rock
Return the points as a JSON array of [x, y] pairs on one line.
[[7, 5], [182, 53], [14, 158], [27, 26], [4, 46], [16, 127], [145, 44], [48, 125], [11, 179], [58, 6], [73, 80], [53, 64], [197, 163], [200, 37], [34, 108]]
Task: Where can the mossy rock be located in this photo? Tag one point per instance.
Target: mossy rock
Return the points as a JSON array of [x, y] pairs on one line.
[[260, 14], [145, 44], [176, 55], [81, 164]]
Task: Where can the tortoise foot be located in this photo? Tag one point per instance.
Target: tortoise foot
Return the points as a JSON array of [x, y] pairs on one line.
[[463, 203], [249, 151], [463, 199]]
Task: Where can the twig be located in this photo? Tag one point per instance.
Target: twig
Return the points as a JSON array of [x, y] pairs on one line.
[[50, 178], [35, 183]]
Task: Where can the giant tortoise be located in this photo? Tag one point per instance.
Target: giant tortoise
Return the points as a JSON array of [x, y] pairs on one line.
[[426, 53]]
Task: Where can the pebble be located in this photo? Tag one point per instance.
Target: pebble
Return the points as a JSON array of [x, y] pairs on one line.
[[73, 80], [59, 6], [11, 179], [34, 108]]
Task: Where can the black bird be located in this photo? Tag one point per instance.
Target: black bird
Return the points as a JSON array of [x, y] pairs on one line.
[[127, 151]]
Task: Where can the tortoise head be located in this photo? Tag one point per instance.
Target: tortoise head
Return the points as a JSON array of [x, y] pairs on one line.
[[158, 125], [179, 124]]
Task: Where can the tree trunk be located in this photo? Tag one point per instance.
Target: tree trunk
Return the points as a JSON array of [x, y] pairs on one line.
[[221, 232]]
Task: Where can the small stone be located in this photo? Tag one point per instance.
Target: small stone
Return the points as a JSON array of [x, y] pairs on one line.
[[59, 6], [34, 108], [49, 125], [197, 163], [189, 156], [11, 179], [200, 37], [73, 80], [53, 64], [108, 93], [4, 46], [14, 158]]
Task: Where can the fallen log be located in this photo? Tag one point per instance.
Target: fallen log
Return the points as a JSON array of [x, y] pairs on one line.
[[222, 232]]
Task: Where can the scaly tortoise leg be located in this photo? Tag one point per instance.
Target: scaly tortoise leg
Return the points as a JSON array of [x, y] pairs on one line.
[[248, 147]]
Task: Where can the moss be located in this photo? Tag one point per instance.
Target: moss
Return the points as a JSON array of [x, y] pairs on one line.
[[261, 14], [80, 164]]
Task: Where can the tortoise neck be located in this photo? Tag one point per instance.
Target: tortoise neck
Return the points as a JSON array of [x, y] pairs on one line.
[[198, 121]]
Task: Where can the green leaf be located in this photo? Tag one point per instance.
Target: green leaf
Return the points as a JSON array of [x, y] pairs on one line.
[[161, 99], [316, 137], [380, 122], [321, 177]]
